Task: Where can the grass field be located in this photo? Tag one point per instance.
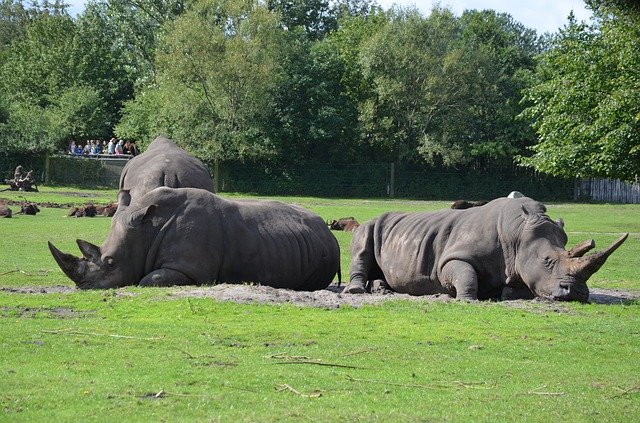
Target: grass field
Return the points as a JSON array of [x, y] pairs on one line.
[[138, 354]]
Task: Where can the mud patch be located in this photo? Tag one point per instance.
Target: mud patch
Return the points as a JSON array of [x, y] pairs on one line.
[[54, 289], [33, 312], [330, 298]]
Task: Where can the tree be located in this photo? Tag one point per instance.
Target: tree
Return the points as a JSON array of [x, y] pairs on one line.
[[586, 101], [447, 89], [218, 68]]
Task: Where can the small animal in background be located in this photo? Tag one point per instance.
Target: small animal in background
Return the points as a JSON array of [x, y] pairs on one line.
[[347, 224], [464, 204], [88, 210], [29, 208], [4, 211]]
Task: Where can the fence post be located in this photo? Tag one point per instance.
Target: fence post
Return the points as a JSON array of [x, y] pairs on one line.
[[216, 175], [392, 182], [47, 168]]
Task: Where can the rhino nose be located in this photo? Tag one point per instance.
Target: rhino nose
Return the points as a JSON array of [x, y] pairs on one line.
[[571, 292]]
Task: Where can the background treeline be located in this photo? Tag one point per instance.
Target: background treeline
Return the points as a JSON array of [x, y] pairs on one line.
[[284, 83]]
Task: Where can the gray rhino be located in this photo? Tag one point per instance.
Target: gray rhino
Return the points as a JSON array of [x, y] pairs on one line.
[[162, 164], [181, 236], [507, 248]]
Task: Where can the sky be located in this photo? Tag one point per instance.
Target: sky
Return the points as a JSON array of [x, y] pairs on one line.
[[541, 15]]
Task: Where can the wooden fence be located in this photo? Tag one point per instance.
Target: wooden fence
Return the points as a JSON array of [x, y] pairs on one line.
[[608, 190]]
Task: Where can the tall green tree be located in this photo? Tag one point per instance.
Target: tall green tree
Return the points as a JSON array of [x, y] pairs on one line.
[[447, 89], [586, 99], [218, 68]]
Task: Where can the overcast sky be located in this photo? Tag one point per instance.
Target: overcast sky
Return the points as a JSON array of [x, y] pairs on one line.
[[541, 15]]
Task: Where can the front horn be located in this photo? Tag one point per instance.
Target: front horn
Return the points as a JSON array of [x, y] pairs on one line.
[[70, 265], [586, 266]]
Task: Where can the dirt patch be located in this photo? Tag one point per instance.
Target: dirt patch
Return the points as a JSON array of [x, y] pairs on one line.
[[331, 297], [31, 312], [45, 204]]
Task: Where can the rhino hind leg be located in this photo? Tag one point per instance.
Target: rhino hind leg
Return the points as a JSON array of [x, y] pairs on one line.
[[166, 277], [462, 277], [363, 262]]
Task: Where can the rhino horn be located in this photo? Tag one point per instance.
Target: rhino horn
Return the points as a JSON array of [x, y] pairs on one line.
[[584, 267], [70, 265], [580, 249], [89, 251]]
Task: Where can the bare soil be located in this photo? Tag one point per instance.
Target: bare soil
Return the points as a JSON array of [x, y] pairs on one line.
[[331, 297]]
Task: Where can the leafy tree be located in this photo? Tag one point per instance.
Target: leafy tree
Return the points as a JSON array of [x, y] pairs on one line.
[[218, 68], [136, 27], [447, 88], [586, 101]]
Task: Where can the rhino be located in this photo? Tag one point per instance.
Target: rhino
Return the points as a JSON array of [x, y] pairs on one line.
[[508, 248], [184, 236], [162, 164]]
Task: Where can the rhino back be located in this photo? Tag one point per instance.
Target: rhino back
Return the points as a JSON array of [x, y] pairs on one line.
[[278, 245], [412, 248], [164, 164]]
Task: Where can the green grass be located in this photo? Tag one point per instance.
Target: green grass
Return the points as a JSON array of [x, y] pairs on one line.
[[105, 355]]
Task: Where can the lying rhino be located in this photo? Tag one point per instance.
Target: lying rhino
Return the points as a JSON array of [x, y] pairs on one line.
[[190, 236], [163, 164], [508, 247]]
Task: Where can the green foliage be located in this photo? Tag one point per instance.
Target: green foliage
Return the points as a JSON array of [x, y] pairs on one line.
[[447, 88], [585, 102], [217, 73]]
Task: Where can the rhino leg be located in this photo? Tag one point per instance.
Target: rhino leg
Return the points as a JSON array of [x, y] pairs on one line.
[[363, 261], [165, 277], [461, 276]]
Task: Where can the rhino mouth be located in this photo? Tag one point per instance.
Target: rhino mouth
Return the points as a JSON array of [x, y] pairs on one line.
[[571, 292]]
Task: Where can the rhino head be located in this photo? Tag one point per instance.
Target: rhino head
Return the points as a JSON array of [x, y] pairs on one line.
[[549, 270], [120, 261]]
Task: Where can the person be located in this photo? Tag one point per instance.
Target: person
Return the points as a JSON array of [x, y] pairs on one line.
[[111, 147], [98, 147], [93, 147], [133, 150], [72, 148], [87, 148], [119, 148], [78, 151], [126, 148]]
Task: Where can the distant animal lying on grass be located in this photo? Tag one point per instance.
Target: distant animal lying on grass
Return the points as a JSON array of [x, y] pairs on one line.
[[182, 236], [347, 224], [29, 208], [5, 211], [508, 248], [90, 210], [464, 204]]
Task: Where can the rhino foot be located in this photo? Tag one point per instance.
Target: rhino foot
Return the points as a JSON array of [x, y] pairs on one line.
[[355, 287]]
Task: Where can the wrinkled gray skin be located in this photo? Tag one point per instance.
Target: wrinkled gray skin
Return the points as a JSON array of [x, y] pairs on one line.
[[508, 248], [188, 236], [163, 164]]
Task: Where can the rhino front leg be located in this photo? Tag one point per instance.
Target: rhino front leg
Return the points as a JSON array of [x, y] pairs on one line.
[[165, 277], [462, 277]]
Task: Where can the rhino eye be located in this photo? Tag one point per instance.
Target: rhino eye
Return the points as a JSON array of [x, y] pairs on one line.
[[109, 262]]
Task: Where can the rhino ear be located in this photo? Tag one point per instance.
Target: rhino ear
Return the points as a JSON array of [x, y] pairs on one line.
[[145, 214], [560, 223], [124, 197]]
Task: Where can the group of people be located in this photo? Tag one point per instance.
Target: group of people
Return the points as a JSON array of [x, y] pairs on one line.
[[95, 147]]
